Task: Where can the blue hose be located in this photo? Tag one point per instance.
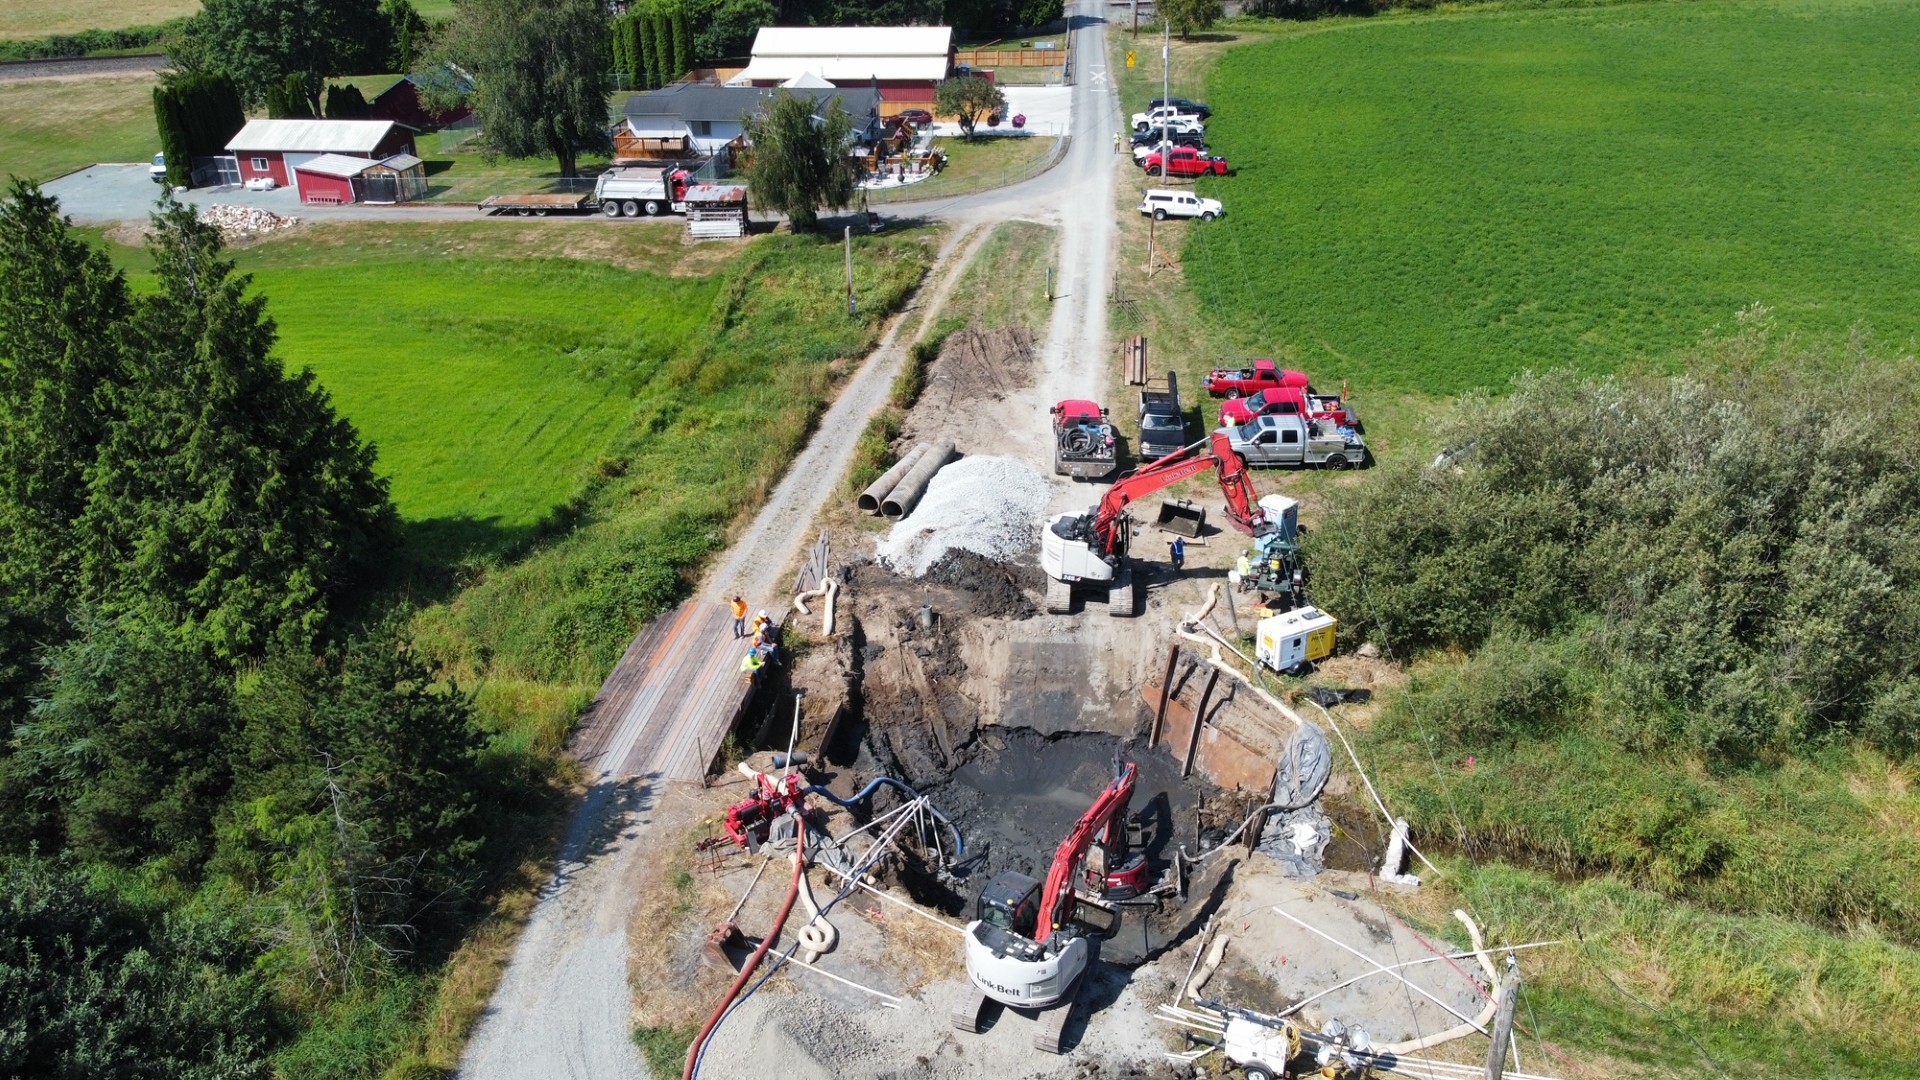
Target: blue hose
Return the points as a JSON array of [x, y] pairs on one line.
[[865, 793]]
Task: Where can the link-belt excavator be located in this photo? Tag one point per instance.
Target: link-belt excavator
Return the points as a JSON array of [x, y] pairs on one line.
[[1030, 944], [1090, 549]]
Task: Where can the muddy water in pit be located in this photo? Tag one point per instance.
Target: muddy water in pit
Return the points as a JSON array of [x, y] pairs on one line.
[[1020, 793]]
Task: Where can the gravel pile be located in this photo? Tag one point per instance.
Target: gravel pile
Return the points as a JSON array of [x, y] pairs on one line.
[[240, 221], [987, 505]]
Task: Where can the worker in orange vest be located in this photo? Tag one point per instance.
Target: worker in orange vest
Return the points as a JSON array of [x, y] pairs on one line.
[[739, 617]]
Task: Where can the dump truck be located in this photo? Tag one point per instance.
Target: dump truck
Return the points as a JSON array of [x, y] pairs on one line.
[[1083, 440], [632, 192], [1295, 440], [1251, 379], [1163, 424]]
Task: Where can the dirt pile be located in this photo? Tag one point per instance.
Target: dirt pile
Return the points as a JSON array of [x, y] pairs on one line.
[[997, 590]]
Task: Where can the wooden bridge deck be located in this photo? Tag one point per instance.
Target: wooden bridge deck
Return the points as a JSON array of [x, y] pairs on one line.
[[668, 704]]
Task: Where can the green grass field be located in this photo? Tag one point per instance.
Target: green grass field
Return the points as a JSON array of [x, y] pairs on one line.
[[50, 127], [1437, 203], [40, 18]]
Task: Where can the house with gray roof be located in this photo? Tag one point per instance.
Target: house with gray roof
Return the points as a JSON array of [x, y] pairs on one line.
[[704, 119]]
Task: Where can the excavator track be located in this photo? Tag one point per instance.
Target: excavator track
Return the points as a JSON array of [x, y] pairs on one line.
[[1120, 594], [972, 1013], [1059, 597], [1053, 1021]]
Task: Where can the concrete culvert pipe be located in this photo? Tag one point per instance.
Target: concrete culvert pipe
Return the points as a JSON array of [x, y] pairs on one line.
[[901, 500], [878, 490]]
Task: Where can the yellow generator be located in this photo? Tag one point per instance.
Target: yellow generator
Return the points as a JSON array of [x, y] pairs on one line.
[[1291, 640]]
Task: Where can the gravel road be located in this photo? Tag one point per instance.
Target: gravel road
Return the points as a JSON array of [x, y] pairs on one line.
[[562, 1007]]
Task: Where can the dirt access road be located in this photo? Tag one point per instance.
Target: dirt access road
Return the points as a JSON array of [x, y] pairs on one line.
[[562, 1007]]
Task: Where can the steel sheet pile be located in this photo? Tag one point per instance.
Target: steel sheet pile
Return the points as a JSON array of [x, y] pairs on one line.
[[238, 221], [987, 505]]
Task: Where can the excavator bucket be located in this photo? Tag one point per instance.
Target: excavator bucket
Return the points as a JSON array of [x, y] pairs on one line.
[[1181, 517]]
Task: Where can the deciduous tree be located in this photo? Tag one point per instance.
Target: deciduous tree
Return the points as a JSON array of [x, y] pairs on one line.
[[1187, 16], [540, 75], [800, 161], [969, 99], [262, 42]]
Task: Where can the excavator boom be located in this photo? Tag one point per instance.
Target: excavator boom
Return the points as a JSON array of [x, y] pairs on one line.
[[1242, 501], [1056, 898]]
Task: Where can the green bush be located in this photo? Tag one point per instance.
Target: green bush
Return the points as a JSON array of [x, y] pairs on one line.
[[1741, 546], [88, 42]]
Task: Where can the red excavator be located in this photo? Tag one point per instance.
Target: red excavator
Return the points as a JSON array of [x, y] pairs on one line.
[[1091, 548], [1029, 945]]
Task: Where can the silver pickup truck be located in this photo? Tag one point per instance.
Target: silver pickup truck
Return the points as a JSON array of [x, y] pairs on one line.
[[1295, 440]]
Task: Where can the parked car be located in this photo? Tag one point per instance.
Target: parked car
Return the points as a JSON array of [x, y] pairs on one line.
[[261, 183], [1152, 138], [1252, 378], [157, 172], [1288, 401], [1163, 204], [1197, 108], [1172, 121], [919, 118], [1141, 151], [1184, 161], [1293, 440]]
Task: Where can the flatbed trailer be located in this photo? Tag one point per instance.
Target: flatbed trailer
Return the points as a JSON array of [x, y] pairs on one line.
[[537, 205]]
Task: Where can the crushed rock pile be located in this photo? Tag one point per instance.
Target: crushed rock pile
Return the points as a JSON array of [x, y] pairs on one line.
[[245, 221], [990, 506]]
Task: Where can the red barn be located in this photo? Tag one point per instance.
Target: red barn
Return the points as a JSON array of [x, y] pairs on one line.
[[276, 148], [402, 102]]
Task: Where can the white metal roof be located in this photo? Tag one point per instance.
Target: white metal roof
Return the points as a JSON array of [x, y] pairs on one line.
[[336, 165], [807, 79], [844, 54], [311, 136], [807, 41], [851, 69]]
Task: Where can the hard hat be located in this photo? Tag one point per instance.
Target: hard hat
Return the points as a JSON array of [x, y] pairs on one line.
[[763, 613]]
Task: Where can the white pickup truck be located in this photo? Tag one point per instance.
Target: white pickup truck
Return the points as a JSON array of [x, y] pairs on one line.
[[1169, 116], [1163, 203]]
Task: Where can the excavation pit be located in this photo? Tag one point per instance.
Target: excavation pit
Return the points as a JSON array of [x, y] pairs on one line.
[[1015, 795]]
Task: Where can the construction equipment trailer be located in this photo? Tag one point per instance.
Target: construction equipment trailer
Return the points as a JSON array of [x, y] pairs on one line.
[[1090, 550], [1030, 944]]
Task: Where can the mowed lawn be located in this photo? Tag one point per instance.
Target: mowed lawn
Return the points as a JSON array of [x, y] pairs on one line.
[[39, 18], [1436, 204], [489, 385], [53, 126]]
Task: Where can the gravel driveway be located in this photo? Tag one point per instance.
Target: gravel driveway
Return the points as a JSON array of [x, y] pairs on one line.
[[103, 194]]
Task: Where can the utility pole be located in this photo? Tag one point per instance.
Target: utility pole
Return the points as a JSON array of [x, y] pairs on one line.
[[1166, 92], [1503, 1021], [853, 308]]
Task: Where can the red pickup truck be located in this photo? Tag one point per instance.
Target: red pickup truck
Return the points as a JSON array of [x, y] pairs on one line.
[[1186, 161], [1288, 401], [1239, 382]]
